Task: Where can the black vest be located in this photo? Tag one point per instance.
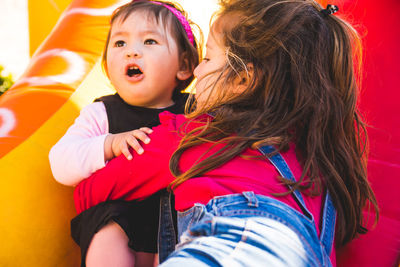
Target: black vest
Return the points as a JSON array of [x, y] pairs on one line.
[[123, 117]]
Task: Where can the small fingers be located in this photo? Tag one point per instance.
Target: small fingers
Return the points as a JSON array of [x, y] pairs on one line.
[[146, 130], [135, 145], [141, 135], [125, 151]]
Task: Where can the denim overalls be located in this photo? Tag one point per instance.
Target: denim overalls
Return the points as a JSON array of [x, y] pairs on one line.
[[249, 230]]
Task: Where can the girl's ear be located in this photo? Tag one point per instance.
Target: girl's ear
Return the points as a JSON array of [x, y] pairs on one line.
[[185, 72], [242, 81]]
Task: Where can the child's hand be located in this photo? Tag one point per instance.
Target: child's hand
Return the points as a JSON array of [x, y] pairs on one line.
[[117, 144]]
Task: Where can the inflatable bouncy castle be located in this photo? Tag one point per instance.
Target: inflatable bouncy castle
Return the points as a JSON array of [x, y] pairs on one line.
[[64, 75]]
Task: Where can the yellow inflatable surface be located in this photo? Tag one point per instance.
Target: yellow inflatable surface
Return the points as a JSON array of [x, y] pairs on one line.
[[64, 74]]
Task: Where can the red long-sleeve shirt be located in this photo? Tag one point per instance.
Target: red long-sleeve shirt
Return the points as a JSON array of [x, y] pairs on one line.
[[147, 173]]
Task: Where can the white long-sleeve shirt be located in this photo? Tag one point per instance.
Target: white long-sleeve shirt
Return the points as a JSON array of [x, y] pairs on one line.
[[80, 152]]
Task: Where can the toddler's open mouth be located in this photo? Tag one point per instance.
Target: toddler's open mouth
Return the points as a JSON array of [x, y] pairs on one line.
[[133, 70]]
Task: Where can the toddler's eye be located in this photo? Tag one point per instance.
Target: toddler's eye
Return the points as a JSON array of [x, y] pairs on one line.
[[206, 59], [119, 43], [150, 42]]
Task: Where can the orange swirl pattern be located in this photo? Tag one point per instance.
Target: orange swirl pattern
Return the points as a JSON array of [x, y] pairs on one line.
[[58, 66]]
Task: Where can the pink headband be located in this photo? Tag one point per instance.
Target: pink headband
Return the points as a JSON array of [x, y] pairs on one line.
[[181, 19]]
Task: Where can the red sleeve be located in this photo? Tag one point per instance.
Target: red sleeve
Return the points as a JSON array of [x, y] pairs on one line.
[[132, 179]]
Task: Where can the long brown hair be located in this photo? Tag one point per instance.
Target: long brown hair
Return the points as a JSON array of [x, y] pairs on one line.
[[303, 90], [189, 53]]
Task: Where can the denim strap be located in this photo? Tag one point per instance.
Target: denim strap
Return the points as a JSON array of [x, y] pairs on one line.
[[329, 212], [328, 224], [280, 164], [166, 229]]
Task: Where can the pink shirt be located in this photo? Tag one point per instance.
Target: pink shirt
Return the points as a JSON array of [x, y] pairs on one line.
[[147, 173], [80, 152]]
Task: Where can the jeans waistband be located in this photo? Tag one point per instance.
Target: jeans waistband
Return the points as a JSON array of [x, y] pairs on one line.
[[244, 205], [252, 206], [222, 205]]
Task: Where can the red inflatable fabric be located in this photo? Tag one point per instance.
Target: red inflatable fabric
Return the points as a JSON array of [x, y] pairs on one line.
[[379, 23]]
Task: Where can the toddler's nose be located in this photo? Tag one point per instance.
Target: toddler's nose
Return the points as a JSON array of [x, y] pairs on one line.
[[129, 55], [132, 53]]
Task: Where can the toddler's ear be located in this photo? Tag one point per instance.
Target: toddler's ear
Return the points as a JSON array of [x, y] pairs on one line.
[[185, 72], [184, 75]]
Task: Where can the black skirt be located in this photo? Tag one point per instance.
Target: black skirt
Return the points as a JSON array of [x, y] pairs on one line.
[[139, 220]]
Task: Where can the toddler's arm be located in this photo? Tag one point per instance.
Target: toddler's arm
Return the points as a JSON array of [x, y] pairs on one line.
[[80, 152], [131, 179]]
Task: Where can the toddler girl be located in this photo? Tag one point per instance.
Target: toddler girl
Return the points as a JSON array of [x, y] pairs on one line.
[[149, 57]]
